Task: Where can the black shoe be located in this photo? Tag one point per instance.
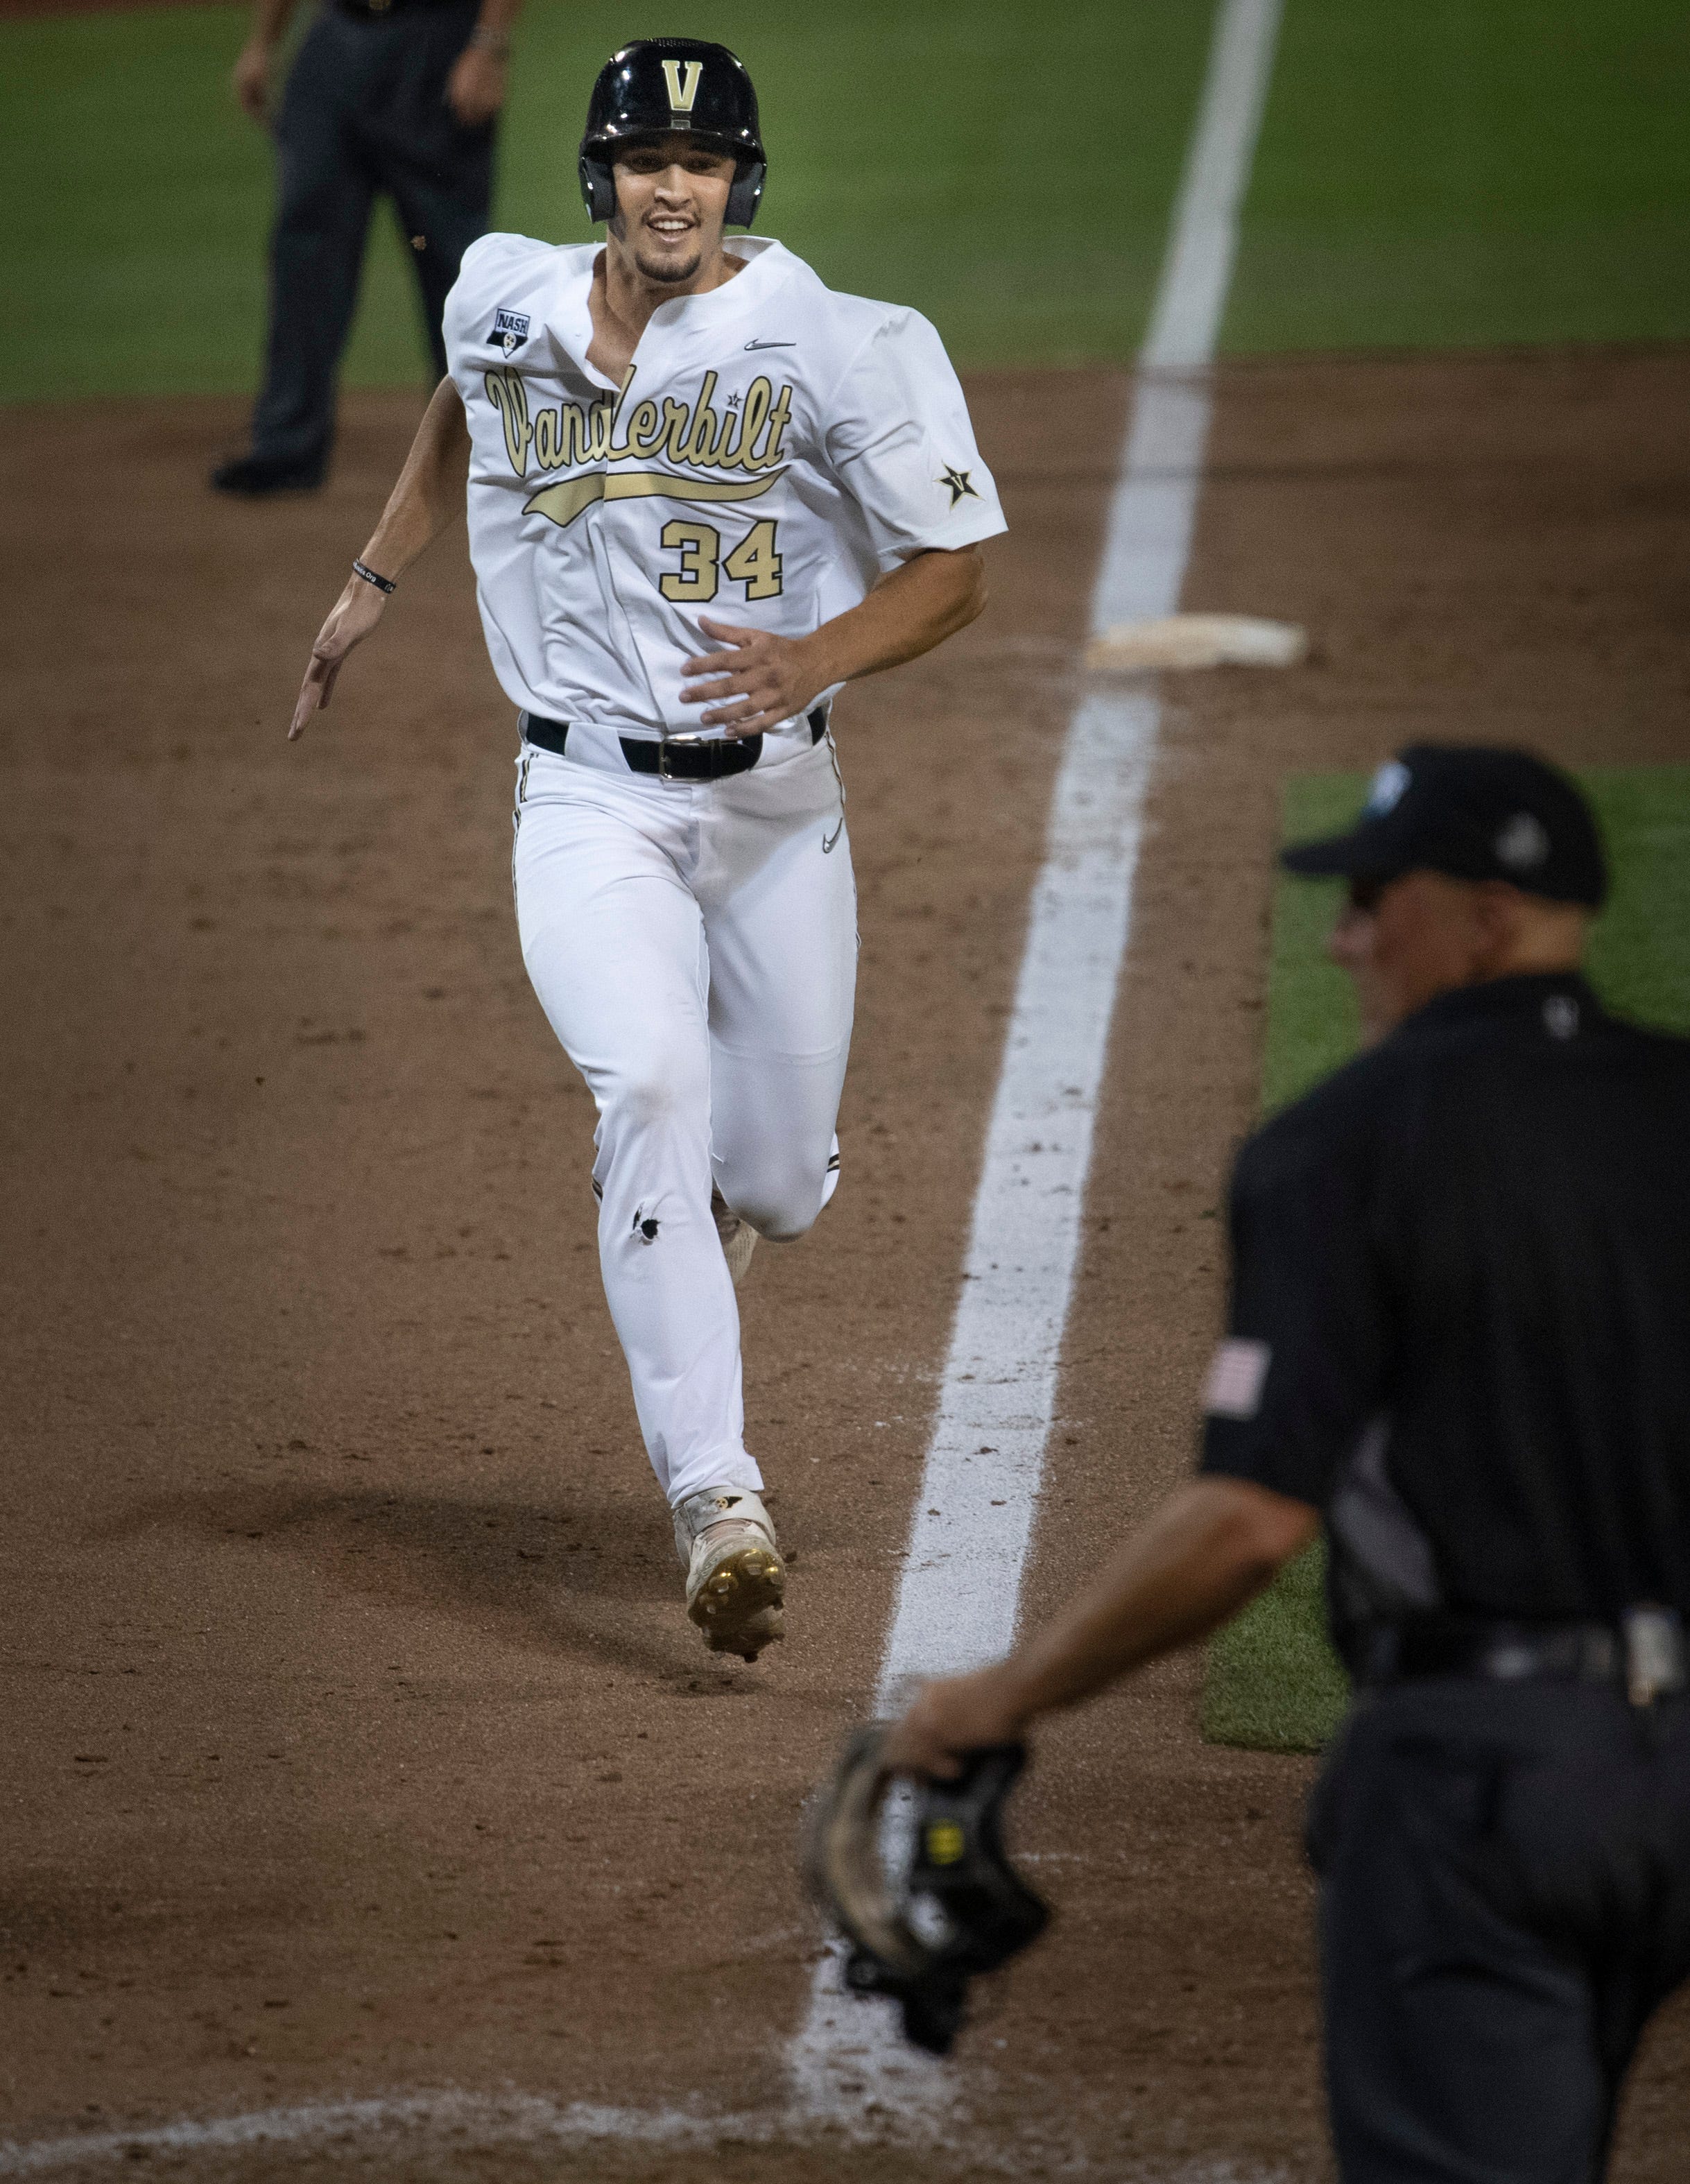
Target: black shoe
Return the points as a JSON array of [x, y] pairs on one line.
[[253, 477]]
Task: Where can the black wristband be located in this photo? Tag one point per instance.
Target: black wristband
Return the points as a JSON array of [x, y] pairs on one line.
[[369, 577]]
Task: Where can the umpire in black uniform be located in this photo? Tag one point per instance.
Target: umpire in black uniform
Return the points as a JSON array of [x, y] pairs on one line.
[[1460, 1336], [397, 97]]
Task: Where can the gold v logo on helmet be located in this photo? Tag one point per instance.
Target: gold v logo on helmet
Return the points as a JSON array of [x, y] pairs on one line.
[[683, 78]]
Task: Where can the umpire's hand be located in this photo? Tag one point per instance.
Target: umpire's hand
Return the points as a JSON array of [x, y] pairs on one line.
[[475, 89], [949, 1720], [356, 613], [249, 80]]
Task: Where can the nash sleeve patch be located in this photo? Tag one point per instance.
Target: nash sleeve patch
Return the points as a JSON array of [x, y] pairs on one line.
[[1237, 1376]]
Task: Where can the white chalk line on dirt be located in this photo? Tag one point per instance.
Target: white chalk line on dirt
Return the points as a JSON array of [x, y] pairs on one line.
[[973, 1525], [446, 2120], [481, 2119]]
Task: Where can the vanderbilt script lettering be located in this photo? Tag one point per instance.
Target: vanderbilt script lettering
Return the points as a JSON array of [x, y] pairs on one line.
[[573, 433]]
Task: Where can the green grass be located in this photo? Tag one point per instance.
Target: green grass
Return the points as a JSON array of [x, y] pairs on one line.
[[1458, 172], [1470, 172], [950, 155], [1273, 1683]]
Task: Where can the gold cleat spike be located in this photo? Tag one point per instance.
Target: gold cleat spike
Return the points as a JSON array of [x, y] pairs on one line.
[[736, 1580], [738, 1607]]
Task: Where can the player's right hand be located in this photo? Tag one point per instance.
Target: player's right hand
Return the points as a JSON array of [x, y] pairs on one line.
[[356, 613], [249, 79]]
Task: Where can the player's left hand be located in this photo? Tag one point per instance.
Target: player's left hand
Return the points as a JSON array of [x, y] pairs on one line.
[[475, 89], [956, 1716], [756, 682]]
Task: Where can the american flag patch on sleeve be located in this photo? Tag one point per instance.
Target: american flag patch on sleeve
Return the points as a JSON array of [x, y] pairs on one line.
[[1236, 1374]]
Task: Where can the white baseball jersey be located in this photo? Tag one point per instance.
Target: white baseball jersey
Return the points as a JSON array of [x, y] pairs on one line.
[[774, 449]]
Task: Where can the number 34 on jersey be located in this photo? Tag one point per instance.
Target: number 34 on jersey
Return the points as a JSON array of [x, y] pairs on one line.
[[755, 562]]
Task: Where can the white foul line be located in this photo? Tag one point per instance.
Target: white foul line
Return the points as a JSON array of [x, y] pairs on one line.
[[968, 1540]]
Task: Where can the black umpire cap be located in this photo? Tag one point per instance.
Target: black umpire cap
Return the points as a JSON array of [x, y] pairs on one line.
[[1472, 812]]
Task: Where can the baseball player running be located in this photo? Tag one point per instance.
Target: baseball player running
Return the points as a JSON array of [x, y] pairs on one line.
[[704, 492]]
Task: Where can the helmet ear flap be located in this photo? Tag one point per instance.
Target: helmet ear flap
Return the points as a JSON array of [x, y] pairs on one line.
[[598, 188], [746, 190]]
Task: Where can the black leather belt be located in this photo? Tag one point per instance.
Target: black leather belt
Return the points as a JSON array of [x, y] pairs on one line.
[[1644, 1652], [671, 758]]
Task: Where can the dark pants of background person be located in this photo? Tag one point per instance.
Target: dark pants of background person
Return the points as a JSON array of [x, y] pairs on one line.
[[1505, 1897], [363, 112]]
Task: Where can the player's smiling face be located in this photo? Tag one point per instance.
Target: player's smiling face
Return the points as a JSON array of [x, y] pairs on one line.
[[671, 202]]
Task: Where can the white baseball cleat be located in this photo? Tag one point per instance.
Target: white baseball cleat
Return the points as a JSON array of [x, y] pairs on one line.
[[739, 1238], [736, 1580]]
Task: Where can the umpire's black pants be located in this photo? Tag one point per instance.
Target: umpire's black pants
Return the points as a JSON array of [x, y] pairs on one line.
[[364, 111], [1505, 1897]]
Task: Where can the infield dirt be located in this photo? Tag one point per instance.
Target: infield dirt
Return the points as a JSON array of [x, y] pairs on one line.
[[356, 1743]]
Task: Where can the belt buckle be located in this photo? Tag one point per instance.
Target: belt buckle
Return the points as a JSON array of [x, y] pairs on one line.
[[664, 745], [1655, 1654]]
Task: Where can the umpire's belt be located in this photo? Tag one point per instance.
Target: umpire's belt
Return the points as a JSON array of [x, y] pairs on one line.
[[672, 758], [363, 8], [1645, 1651]]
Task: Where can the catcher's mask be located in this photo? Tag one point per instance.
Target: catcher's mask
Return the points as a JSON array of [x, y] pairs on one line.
[[667, 86], [960, 1908]]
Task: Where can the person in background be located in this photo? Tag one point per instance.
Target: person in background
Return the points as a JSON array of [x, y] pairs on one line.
[[398, 96]]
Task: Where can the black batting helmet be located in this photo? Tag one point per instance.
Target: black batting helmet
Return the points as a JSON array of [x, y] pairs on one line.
[[659, 87]]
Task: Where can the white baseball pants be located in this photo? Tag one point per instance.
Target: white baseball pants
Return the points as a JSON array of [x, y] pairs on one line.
[[694, 945]]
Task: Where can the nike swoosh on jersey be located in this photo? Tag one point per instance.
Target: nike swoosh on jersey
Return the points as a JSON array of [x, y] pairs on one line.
[[565, 500], [791, 344]]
